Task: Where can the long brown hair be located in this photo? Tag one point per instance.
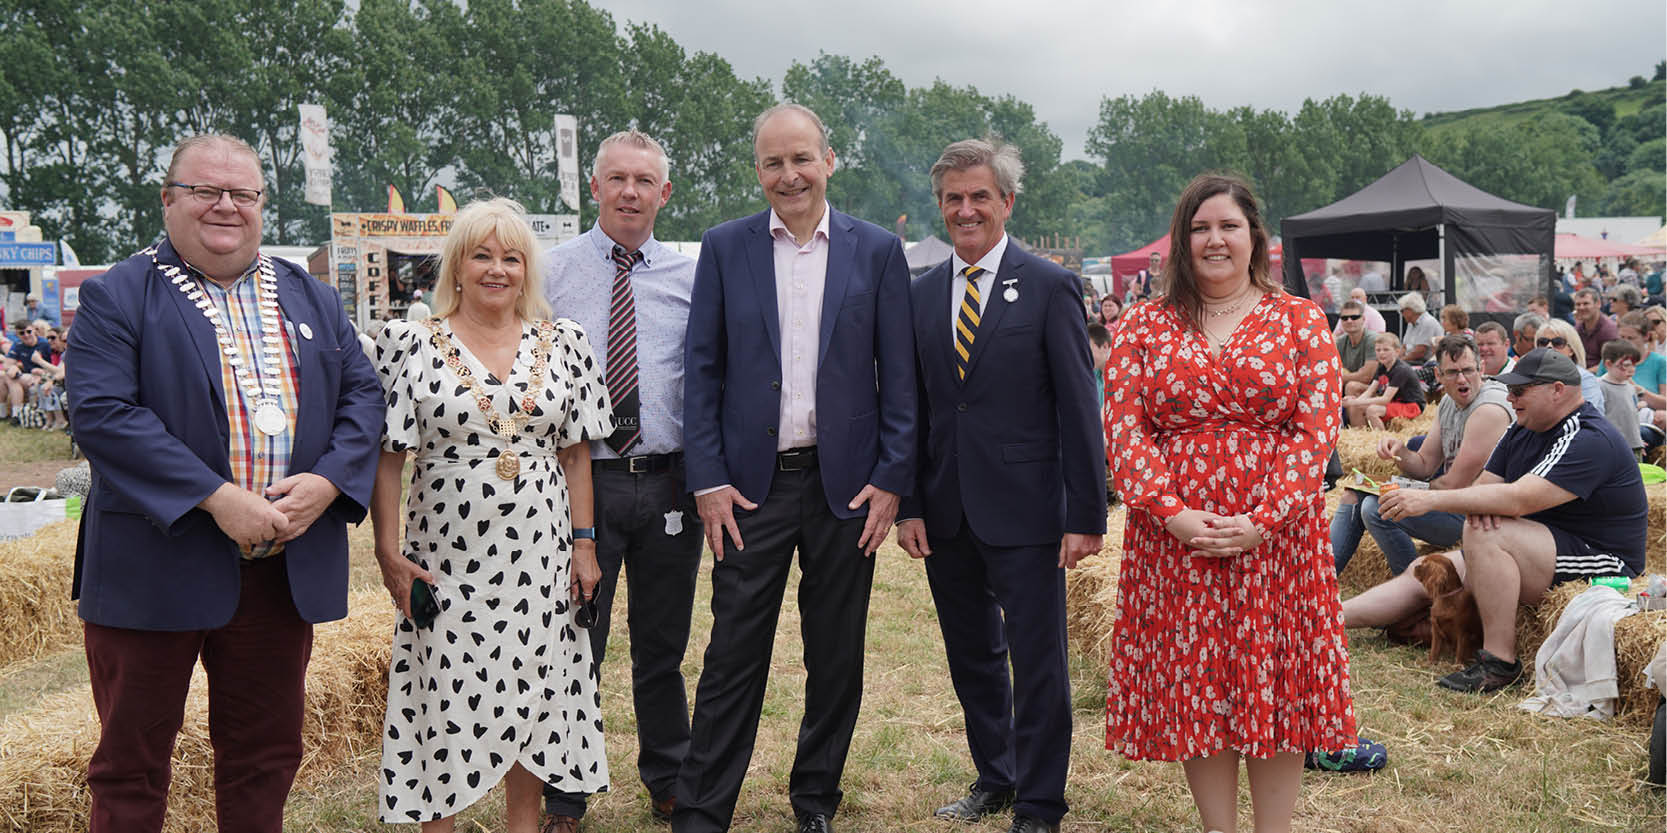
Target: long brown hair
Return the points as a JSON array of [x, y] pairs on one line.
[[1180, 285]]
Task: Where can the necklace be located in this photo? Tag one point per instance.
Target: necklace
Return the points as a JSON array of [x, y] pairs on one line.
[[1233, 307], [257, 378], [506, 427]]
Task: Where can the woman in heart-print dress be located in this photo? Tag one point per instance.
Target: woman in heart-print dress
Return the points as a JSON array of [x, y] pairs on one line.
[[501, 686], [1223, 409]]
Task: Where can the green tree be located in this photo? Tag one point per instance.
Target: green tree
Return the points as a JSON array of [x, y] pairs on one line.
[[697, 108], [1148, 149], [1538, 161], [1641, 193]]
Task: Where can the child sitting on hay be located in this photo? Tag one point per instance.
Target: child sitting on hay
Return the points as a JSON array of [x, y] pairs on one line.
[[1395, 394]]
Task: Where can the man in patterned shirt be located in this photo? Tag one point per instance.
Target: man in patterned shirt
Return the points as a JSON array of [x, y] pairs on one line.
[[231, 422]]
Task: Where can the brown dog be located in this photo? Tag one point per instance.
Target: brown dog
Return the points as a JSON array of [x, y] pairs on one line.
[[1454, 620]]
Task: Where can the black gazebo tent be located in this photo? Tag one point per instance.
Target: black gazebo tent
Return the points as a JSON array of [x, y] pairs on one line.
[[1418, 212]]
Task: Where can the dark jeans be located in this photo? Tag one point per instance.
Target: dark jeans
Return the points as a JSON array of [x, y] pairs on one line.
[[747, 590], [635, 516], [256, 666]]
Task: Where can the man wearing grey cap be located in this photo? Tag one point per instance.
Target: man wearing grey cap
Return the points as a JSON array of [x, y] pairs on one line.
[[1560, 499]]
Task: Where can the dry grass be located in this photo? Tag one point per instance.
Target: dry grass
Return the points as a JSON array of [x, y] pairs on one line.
[[36, 614]]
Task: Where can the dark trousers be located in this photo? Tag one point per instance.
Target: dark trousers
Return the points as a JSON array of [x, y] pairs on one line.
[[747, 590], [996, 604], [256, 666], [634, 519]]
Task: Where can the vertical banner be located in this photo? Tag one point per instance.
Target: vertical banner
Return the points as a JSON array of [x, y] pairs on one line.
[[567, 159], [315, 153]]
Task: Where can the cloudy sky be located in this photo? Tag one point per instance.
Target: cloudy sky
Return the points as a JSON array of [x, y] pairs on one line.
[[1063, 56]]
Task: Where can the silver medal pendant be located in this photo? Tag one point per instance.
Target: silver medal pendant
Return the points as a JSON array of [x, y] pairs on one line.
[[270, 419], [1010, 295]]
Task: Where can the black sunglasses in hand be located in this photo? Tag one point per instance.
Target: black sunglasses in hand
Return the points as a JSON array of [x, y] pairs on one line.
[[587, 614]]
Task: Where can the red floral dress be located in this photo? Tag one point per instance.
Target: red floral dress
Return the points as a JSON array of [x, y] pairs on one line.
[[1244, 653]]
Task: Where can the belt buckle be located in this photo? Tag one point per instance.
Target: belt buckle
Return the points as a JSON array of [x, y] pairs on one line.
[[637, 465]]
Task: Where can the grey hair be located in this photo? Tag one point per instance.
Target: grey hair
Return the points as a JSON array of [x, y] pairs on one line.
[[637, 139], [1002, 159], [792, 107], [1414, 302], [1526, 320], [1627, 294], [206, 140]]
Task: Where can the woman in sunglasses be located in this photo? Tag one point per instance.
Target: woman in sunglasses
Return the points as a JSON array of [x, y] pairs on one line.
[[1561, 336], [1655, 329]]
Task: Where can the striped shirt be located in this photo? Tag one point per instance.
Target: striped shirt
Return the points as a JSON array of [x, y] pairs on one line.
[[257, 460], [1583, 455]]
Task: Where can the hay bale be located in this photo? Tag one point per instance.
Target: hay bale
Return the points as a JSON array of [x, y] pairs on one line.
[[1636, 640], [1091, 592], [36, 613], [44, 751]]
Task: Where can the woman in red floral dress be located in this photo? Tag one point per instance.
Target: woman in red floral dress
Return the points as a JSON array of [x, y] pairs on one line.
[[1223, 408]]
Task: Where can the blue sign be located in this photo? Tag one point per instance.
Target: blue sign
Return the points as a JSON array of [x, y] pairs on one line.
[[7, 236], [14, 255]]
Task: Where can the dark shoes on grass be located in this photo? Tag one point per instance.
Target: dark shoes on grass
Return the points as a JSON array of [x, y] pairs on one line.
[[1487, 673], [1365, 756], [976, 805]]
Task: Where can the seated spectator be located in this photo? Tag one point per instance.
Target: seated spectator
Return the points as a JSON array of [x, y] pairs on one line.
[[1471, 418], [49, 389], [1422, 329], [1649, 382], [1099, 350], [1620, 402], [1418, 282], [1655, 329], [18, 373], [1523, 330], [1652, 284], [1560, 336], [1559, 500], [1455, 321], [1538, 305], [1394, 394], [1624, 299], [1354, 347], [1493, 348], [1595, 328], [1374, 319]]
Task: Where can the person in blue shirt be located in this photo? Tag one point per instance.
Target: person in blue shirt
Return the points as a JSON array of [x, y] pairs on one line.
[[1559, 500]]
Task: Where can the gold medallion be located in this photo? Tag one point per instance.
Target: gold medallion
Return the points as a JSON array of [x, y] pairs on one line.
[[508, 465]]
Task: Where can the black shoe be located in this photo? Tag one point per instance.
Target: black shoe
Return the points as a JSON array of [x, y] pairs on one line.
[[1031, 824], [976, 805], [1487, 673], [814, 823], [662, 808]]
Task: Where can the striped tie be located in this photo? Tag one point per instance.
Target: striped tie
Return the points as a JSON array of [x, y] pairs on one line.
[[966, 320], [622, 356]]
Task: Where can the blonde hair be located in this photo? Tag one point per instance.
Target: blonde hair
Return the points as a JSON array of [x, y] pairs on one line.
[[1559, 327], [506, 220]]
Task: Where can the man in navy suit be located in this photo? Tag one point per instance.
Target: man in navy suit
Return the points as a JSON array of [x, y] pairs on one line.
[[1012, 483], [232, 422], [798, 434]]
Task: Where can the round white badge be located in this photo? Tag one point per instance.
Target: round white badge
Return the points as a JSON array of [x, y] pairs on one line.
[[1010, 295], [270, 419], [306, 331]]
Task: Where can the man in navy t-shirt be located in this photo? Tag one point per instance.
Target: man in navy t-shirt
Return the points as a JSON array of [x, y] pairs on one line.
[[1560, 499]]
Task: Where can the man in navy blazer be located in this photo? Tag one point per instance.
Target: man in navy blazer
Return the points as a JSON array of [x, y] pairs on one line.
[[1012, 483], [232, 422], [798, 434]]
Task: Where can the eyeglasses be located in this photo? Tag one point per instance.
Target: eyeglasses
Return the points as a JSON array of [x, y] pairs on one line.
[[1555, 341], [1519, 390], [1456, 372], [1355, 317], [210, 194]]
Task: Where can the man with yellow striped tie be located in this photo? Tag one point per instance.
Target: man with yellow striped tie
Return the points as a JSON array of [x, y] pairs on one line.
[[1011, 490]]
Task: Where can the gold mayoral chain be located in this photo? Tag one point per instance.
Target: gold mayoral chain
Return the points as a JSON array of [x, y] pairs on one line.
[[509, 465], [258, 374]]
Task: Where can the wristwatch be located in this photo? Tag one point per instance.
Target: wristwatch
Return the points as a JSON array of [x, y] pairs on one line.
[[584, 532]]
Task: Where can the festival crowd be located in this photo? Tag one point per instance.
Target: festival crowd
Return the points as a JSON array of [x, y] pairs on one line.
[[554, 418]]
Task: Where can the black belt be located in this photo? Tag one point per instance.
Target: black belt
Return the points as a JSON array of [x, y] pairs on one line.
[[796, 459], [641, 464]]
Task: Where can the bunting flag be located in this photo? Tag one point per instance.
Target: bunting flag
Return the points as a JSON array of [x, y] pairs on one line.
[[396, 203], [444, 197]]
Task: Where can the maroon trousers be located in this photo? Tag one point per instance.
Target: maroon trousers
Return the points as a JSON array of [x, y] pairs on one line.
[[256, 667]]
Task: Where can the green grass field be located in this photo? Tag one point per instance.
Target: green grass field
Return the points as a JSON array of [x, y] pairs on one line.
[[1625, 100]]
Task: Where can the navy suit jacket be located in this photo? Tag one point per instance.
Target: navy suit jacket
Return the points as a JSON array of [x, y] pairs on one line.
[[865, 374], [1017, 448], [146, 399]]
